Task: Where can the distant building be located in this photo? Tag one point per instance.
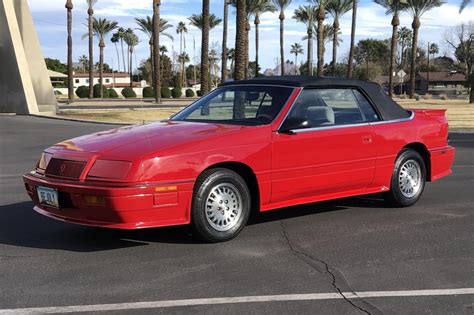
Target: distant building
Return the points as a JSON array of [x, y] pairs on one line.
[[116, 79]]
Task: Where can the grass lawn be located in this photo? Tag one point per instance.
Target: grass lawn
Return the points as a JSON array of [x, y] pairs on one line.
[[459, 112]]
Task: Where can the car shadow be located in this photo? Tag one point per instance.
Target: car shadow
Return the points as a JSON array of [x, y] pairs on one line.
[[21, 226]]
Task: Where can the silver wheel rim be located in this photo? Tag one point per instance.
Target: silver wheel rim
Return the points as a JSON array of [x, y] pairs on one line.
[[223, 207], [409, 178]]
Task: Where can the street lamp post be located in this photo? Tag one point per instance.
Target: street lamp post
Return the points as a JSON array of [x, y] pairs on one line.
[[70, 83]]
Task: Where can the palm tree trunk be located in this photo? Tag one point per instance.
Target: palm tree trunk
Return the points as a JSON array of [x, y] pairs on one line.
[[247, 48], [156, 50], [118, 57], [152, 61], [282, 50], [350, 66], [415, 26], [224, 43], [334, 45], [91, 55], [130, 58], [257, 22], [205, 48], [310, 53], [393, 51], [101, 67], [321, 43], [296, 64], [123, 56], [240, 35], [70, 82]]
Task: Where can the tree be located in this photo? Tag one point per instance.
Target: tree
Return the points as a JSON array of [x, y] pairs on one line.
[[417, 8], [197, 21], [183, 58], [320, 16], [182, 30], [257, 8], [231, 57], [350, 62], [101, 28], [371, 50], [115, 40], [337, 8], [56, 65], [90, 12], [393, 7], [131, 39], [156, 50], [84, 61], [296, 49], [224, 42], [282, 5], [307, 14], [119, 35], [241, 22], [70, 83], [404, 37], [145, 25]]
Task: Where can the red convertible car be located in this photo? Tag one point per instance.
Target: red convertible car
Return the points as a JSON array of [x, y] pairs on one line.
[[252, 145]]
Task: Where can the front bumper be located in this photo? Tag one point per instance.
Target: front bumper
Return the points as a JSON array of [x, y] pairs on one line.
[[123, 207]]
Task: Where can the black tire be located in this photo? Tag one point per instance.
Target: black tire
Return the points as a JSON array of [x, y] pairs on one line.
[[399, 195], [207, 185]]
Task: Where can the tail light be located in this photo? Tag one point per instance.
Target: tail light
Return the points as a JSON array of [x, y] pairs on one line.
[[43, 162]]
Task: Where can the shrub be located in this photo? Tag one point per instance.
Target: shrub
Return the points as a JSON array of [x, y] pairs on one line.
[[199, 93], [176, 92], [417, 97], [165, 92], [105, 92], [113, 93], [189, 93], [443, 96], [128, 92], [148, 92], [82, 91]]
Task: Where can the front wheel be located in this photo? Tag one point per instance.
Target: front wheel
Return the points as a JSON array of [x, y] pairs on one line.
[[408, 179], [221, 205]]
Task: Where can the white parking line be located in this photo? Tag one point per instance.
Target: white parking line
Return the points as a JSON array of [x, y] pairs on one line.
[[233, 300]]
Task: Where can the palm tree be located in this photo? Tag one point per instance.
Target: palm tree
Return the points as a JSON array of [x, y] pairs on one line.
[[182, 30], [257, 8], [240, 49], [404, 37], [282, 5], [224, 42], [183, 58], [101, 28], [90, 12], [205, 25], [417, 8], [432, 50], [350, 66], [296, 49], [120, 34], [131, 39], [145, 25], [231, 56], [70, 83], [115, 39], [320, 16], [393, 7], [84, 61], [307, 14], [337, 8], [156, 50]]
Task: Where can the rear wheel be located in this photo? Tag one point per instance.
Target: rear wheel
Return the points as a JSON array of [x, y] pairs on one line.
[[221, 205], [408, 179]]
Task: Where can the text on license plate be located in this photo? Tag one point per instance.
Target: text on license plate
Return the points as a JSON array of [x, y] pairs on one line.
[[48, 196]]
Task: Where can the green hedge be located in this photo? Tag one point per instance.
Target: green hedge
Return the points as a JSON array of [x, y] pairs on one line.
[[97, 91], [165, 92], [189, 93], [176, 92], [199, 93], [82, 91], [148, 92], [113, 93], [129, 93]]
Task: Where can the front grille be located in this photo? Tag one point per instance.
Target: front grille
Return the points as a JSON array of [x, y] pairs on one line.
[[65, 168]]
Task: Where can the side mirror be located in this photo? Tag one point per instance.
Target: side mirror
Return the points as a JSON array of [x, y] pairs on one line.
[[292, 123]]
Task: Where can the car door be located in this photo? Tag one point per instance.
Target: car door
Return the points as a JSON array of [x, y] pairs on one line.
[[331, 152]]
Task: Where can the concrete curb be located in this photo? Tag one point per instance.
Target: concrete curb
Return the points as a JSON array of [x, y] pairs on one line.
[[81, 120]]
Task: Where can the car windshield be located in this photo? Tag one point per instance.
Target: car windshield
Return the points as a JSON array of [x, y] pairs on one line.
[[246, 105]]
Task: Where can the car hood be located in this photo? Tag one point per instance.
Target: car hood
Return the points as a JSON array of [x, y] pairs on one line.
[[137, 140]]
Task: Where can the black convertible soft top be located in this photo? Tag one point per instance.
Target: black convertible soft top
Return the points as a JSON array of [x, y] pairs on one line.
[[388, 109]]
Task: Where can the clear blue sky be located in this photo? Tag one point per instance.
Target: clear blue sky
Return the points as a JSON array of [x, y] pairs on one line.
[[50, 20]]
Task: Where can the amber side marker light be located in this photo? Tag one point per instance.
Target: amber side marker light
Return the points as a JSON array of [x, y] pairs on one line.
[[166, 188], [94, 200]]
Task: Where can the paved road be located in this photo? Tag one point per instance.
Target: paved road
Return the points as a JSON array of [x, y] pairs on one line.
[[352, 245]]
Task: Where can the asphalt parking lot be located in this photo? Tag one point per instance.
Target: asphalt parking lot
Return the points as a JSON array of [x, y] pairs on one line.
[[305, 256]]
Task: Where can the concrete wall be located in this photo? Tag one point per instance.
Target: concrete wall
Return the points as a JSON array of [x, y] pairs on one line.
[[24, 81]]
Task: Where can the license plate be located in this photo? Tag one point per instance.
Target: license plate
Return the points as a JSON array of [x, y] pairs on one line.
[[48, 196]]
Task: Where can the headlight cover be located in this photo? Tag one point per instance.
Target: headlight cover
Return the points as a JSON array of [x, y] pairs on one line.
[[109, 170], [43, 162]]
